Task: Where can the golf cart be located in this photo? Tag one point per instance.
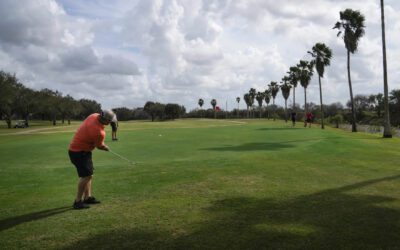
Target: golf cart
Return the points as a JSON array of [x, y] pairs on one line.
[[21, 124]]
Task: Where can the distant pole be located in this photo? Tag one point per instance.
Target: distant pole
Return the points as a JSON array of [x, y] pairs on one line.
[[226, 109]]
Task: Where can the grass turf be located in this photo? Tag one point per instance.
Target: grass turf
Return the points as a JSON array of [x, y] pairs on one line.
[[203, 184]]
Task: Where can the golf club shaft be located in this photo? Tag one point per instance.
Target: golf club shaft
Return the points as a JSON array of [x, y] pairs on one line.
[[120, 156]]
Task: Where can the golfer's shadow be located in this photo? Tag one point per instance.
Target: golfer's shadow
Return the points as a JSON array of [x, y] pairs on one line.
[[15, 221]]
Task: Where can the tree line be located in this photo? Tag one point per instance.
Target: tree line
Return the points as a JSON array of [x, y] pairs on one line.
[[20, 102]]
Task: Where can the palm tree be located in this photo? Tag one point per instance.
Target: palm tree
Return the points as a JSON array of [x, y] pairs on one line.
[[267, 99], [352, 26], [294, 79], [252, 93], [213, 104], [238, 100], [305, 73], [201, 102], [387, 133], [322, 55], [285, 89], [274, 89], [260, 99], [247, 98]]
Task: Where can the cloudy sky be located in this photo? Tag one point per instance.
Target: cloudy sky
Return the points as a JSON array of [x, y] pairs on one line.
[[126, 52]]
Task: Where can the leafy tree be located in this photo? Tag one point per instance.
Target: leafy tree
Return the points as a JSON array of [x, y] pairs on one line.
[[333, 109], [65, 108], [394, 98], [213, 104], [260, 99], [285, 89], [337, 119], [149, 107], [123, 113], [88, 107], [25, 102], [322, 55], [361, 104], [182, 111], [172, 110], [305, 73], [351, 27], [9, 85]]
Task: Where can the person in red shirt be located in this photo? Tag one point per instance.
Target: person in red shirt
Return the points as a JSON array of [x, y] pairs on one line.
[[309, 118], [90, 135]]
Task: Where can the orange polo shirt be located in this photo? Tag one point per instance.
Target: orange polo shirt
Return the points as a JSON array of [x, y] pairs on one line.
[[89, 135]]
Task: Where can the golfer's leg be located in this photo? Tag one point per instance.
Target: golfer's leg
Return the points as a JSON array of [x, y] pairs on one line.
[[81, 187], [88, 189]]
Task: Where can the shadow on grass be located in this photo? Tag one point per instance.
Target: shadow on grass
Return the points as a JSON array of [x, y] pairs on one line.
[[273, 129], [269, 146], [15, 221], [332, 219]]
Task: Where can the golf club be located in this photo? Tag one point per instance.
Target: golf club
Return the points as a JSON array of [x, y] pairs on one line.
[[121, 157]]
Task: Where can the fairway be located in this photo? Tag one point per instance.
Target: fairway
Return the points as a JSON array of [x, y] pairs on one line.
[[203, 184]]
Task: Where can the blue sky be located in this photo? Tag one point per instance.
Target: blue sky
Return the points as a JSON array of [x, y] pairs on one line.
[[124, 53]]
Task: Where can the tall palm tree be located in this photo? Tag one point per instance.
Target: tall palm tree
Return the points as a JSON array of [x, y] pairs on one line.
[[352, 26], [387, 133], [201, 102], [252, 93], [213, 104], [274, 89], [285, 89], [305, 73], [238, 100], [247, 98], [260, 99], [267, 99], [294, 79], [322, 55]]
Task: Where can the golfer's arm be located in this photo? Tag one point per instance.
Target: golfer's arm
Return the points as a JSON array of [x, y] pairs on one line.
[[103, 147], [100, 143]]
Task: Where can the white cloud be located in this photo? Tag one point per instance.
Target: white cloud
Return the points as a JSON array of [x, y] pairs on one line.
[[123, 53]]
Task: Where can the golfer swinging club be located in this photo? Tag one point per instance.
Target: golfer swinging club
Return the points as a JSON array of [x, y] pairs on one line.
[[89, 135]]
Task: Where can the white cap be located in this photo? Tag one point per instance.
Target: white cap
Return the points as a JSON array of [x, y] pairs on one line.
[[108, 115]]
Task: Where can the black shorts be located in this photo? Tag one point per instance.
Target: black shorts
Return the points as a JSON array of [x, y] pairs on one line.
[[83, 162], [309, 120], [114, 127]]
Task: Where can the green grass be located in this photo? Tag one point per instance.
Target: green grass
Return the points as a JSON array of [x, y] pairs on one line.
[[203, 184]]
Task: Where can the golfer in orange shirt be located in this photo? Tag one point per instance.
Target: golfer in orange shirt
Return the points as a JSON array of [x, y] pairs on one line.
[[89, 135]]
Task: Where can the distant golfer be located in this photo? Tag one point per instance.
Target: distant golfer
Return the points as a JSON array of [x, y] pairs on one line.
[[309, 118], [293, 117], [114, 127], [89, 135]]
